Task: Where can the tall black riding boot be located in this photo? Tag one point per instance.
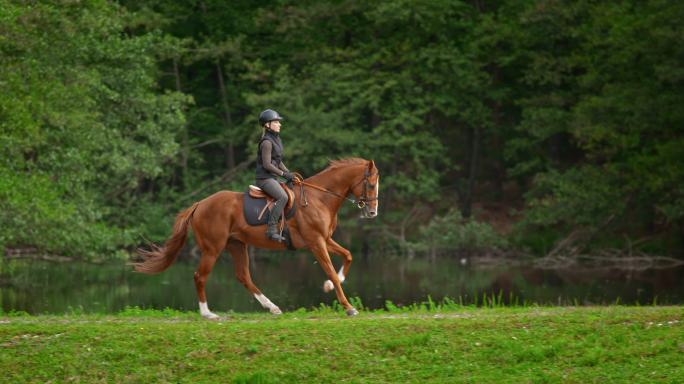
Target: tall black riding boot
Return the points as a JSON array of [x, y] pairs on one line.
[[273, 232]]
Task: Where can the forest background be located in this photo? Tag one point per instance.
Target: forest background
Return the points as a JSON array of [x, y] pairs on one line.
[[525, 126]]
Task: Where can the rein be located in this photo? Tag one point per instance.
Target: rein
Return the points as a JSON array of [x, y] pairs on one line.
[[360, 203]]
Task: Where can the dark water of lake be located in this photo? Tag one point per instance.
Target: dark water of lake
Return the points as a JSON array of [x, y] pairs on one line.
[[294, 280]]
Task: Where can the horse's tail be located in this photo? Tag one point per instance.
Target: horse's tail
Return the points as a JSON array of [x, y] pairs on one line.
[[159, 258]]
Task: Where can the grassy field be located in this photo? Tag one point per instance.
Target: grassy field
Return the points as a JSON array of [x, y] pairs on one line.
[[459, 344]]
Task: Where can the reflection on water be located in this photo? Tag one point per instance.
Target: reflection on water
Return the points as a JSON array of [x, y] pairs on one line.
[[294, 280]]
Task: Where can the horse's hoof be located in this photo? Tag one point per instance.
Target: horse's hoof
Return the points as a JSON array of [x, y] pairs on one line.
[[276, 311], [352, 312], [328, 286], [211, 316]]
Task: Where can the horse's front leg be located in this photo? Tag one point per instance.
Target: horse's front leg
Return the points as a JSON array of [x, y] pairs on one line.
[[320, 251], [337, 249]]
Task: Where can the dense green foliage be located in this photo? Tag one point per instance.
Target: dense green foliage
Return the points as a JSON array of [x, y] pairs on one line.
[[452, 231], [564, 116], [83, 125], [452, 345]]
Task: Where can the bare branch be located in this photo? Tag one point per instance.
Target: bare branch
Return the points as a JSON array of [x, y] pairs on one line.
[[226, 176]]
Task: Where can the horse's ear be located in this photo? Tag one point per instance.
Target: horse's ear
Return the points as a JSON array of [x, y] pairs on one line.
[[371, 165]]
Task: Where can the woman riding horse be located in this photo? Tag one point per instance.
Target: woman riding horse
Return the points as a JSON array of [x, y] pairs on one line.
[[219, 224], [269, 166]]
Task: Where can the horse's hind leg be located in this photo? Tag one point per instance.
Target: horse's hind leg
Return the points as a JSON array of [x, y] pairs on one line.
[[337, 249], [238, 250], [209, 256]]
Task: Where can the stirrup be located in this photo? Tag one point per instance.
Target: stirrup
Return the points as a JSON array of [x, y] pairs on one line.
[[274, 234], [275, 237]]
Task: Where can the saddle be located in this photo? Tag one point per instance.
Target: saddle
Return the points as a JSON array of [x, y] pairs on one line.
[[257, 203], [259, 193]]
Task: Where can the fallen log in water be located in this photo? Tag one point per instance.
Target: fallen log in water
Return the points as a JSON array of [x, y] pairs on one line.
[[612, 258]]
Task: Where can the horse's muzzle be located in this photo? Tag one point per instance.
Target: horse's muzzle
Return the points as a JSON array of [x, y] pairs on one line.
[[368, 213]]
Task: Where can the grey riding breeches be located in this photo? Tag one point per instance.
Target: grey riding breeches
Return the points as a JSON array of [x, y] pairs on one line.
[[273, 189]]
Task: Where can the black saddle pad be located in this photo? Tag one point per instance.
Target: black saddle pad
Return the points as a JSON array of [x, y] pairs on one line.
[[252, 207]]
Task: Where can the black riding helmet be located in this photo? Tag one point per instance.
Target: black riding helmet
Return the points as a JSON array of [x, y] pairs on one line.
[[269, 115]]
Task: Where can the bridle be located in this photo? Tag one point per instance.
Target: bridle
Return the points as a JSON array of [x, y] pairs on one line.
[[364, 199], [360, 203]]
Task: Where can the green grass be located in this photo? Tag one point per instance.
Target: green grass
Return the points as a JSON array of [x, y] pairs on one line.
[[443, 344]]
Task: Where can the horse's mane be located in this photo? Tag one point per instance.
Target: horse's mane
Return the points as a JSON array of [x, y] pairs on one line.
[[334, 164], [340, 163]]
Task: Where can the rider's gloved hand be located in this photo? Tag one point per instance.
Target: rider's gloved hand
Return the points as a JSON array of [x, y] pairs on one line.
[[288, 176]]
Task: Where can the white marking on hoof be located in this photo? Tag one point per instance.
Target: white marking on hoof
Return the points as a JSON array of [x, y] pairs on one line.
[[377, 195], [340, 274], [329, 286], [206, 313], [266, 303], [352, 312]]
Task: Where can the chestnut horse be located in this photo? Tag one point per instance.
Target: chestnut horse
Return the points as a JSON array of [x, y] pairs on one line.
[[218, 223]]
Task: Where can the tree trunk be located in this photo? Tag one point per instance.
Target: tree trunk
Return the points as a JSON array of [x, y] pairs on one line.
[[466, 209], [227, 120], [496, 140], [185, 148]]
